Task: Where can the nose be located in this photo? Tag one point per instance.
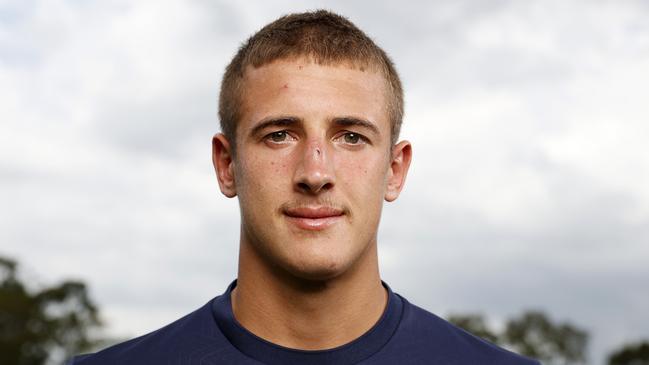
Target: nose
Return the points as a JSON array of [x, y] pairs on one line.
[[315, 172]]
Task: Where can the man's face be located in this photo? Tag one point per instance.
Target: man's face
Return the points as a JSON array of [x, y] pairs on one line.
[[313, 165]]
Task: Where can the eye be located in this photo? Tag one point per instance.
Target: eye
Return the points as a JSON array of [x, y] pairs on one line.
[[278, 137], [352, 138]]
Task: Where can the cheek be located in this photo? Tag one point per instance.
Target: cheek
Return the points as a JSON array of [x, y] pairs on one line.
[[277, 168], [365, 175], [262, 177], [364, 181]]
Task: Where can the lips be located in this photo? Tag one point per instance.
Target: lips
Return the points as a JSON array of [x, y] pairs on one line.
[[314, 218]]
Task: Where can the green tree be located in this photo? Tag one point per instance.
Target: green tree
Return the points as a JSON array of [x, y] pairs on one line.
[[533, 334], [476, 324], [40, 325], [631, 354]]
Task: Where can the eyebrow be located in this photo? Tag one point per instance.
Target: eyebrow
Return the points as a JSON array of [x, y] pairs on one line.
[[274, 122], [289, 121], [353, 121]]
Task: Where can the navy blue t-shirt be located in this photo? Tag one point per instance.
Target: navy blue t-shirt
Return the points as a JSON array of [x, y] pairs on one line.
[[405, 334]]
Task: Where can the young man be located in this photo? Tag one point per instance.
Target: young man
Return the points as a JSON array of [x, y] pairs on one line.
[[310, 110]]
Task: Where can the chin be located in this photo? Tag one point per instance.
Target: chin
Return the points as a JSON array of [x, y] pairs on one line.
[[316, 268], [315, 273], [309, 256]]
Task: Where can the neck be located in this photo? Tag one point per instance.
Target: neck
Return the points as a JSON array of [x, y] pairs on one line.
[[307, 314]]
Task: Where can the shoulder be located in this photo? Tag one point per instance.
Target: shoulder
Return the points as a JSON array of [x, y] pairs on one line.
[[190, 335], [439, 341]]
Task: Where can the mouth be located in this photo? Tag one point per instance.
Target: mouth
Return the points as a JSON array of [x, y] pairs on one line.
[[314, 218]]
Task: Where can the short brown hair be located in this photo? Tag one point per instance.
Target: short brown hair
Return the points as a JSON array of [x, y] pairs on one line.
[[322, 36]]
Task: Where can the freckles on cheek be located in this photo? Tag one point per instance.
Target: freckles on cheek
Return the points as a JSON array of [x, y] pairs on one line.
[[371, 171], [277, 167], [354, 167], [360, 166]]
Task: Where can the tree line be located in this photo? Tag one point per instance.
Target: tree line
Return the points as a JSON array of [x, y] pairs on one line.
[[41, 326], [533, 334]]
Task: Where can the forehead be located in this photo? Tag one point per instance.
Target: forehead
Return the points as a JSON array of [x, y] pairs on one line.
[[301, 86]]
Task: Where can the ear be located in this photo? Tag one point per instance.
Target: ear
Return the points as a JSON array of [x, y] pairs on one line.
[[396, 178], [223, 164]]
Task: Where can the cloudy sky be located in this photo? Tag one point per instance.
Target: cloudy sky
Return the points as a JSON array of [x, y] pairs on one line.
[[529, 187]]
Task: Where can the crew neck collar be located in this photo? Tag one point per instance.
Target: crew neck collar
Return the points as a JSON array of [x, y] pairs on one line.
[[269, 353]]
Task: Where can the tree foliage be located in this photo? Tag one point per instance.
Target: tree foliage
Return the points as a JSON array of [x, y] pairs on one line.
[[631, 354], [475, 323], [532, 334], [36, 325]]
